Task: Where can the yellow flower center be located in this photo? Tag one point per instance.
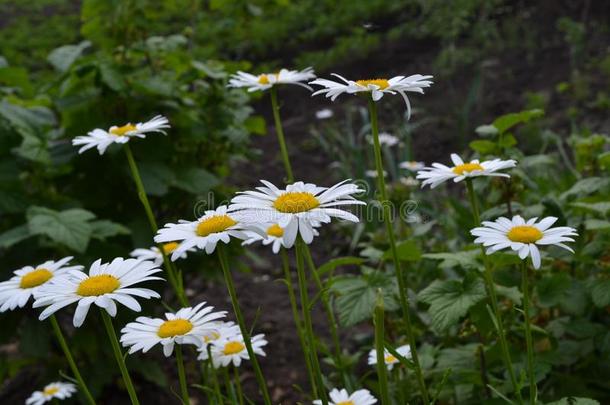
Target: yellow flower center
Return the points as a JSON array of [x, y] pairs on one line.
[[233, 348], [170, 247], [467, 167], [293, 202], [346, 403], [214, 224], [263, 79], [212, 336], [98, 285], [35, 278], [382, 83], [524, 234], [120, 131], [175, 327], [275, 230], [50, 391], [390, 359]]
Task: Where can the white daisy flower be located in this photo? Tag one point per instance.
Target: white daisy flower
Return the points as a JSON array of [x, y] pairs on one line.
[[342, 397], [386, 139], [27, 281], [187, 326], [440, 173], [102, 139], [324, 114], [105, 284], [214, 226], [412, 165], [377, 87], [388, 357], [373, 173], [523, 236], [154, 254], [224, 331], [297, 208], [232, 349], [267, 80], [274, 236], [53, 391]]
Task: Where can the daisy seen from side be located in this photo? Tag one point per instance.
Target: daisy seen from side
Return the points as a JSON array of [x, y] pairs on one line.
[[342, 397], [154, 254], [265, 81], [51, 392], [389, 359]]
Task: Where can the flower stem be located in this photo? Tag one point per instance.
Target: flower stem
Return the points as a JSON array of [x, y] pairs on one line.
[[280, 135], [491, 291], [169, 267], [311, 342], [528, 335], [402, 289], [182, 375], [217, 392], [224, 263], [240, 394], [297, 317], [114, 341], [380, 350], [64, 346]]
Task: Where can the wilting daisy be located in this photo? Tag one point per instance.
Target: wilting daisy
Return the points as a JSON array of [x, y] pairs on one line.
[[101, 139], [214, 226], [412, 165], [53, 391], [386, 139], [232, 349], [153, 253], [440, 173], [523, 236], [267, 80], [187, 326], [377, 87], [342, 397], [27, 281], [388, 357], [224, 331], [297, 208], [105, 284]]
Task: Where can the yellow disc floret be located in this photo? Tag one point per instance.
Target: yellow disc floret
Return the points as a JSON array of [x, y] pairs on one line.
[[175, 327], [214, 224], [294, 202], [263, 79], [233, 347], [35, 278], [345, 403], [98, 285], [382, 83], [390, 359], [467, 168], [170, 247], [275, 230], [120, 131], [524, 234], [50, 391]]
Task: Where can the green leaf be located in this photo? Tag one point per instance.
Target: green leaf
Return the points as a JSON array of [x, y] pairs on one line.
[[256, 125], [103, 228], [63, 57], [600, 293], [156, 178], [408, 251], [70, 227], [332, 264], [552, 289], [482, 146], [506, 122], [575, 401], [451, 299], [601, 208], [195, 180], [585, 187], [466, 259], [356, 295], [111, 77], [597, 224], [15, 235]]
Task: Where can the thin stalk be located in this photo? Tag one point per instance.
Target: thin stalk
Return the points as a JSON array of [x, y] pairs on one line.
[[204, 380], [528, 335], [491, 291], [332, 321], [280, 134], [297, 317], [217, 391], [182, 375], [380, 350], [170, 270], [114, 341], [224, 264], [402, 288], [311, 342], [240, 394], [64, 346], [229, 386]]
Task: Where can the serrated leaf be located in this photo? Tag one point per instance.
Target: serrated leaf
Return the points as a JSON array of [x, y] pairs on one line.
[[70, 227], [408, 251], [195, 181], [156, 177], [63, 57], [600, 293], [483, 146], [102, 229], [552, 289], [15, 235], [506, 122], [331, 265], [601, 208], [466, 259], [585, 187]]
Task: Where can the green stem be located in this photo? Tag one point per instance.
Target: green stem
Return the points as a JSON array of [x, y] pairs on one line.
[[224, 263], [334, 333], [64, 346], [170, 270], [204, 380], [491, 291], [380, 350], [297, 317], [240, 394], [311, 342], [229, 386], [217, 391], [402, 288], [528, 335], [182, 375], [280, 135], [114, 341]]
